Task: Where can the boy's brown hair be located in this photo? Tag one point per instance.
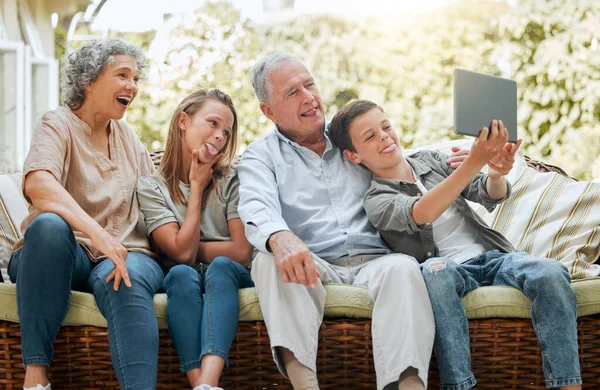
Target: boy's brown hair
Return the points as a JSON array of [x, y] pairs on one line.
[[339, 127]]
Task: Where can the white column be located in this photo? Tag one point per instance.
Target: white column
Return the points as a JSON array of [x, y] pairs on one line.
[[12, 104]]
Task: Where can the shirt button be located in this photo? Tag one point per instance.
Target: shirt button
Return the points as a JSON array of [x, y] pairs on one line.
[[312, 156], [428, 254], [418, 195], [428, 223]]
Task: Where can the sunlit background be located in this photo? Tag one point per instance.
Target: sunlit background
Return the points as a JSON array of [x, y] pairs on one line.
[[400, 54]]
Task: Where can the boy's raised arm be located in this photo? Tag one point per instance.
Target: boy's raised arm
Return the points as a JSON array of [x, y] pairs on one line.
[[437, 200]]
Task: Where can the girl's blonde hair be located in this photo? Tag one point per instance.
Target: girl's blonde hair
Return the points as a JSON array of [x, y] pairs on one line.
[[170, 167]]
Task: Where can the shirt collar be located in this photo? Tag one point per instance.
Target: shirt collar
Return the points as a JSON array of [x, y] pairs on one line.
[[86, 128], [418, 166], [284, 138]]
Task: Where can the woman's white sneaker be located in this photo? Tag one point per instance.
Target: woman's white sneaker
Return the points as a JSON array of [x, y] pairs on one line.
[[39, 387]]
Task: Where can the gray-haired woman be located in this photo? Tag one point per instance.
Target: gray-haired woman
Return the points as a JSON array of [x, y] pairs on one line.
[[80, 178]]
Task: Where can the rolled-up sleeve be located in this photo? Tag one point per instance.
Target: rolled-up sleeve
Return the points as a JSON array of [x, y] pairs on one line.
[[49, 150], [146, 164], [153, 205], [231, 195], [390, 210], [476, 191], [259, 206]]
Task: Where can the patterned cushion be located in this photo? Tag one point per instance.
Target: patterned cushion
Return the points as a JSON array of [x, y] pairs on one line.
[[13, 209], [550, 215]]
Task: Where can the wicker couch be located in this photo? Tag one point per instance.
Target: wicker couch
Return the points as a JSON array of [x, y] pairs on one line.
[[505, 353]]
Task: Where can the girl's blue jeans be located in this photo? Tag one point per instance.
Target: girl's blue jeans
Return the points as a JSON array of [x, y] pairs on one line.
[[204, 325]]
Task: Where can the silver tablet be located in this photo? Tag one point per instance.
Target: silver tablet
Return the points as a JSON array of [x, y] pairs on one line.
[[479, 99]]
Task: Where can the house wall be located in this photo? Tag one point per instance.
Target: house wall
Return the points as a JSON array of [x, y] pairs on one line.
[[9, 16], [41, 11], [28, 73]]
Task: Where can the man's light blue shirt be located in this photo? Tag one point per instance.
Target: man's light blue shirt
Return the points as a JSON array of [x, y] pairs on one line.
[[285, 186]]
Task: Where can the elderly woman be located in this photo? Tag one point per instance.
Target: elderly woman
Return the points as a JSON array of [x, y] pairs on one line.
[[84, 230]]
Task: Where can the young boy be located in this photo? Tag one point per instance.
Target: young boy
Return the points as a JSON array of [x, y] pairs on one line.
[[418, 204]]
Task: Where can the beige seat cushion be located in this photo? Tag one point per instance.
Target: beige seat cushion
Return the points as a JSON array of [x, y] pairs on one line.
[[342, 301]]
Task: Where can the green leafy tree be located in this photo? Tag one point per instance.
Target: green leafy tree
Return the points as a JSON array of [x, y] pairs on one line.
[[552, 49], [205, 49], [405, 67], [422, 55], [404, 63]]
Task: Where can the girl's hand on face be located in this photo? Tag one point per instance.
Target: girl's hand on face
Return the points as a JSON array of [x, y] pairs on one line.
[[201, 173]]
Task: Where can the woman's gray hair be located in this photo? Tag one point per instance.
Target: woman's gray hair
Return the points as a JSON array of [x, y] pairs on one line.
[[84, 66], [260, 73]]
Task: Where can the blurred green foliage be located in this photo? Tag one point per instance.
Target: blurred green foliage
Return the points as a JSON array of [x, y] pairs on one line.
[[404, 63], [552, 48]]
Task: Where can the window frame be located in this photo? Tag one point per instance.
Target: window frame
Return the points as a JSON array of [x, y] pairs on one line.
[[29, 30], [18, 48], [51, 90], [3, 34]]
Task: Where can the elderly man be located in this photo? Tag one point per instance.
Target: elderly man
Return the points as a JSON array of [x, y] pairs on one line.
[[302, 205]]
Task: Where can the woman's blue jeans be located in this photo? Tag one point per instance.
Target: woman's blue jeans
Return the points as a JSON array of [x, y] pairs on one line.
[[545, 282], [204, 326], [50, 264]]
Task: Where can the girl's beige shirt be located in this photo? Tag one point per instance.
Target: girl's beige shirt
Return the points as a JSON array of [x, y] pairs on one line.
[[105, 188]]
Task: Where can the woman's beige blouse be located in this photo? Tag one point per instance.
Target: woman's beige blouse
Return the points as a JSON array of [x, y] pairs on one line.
[[104, 188]]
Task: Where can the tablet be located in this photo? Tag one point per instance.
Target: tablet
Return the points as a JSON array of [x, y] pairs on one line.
[[480, 98]]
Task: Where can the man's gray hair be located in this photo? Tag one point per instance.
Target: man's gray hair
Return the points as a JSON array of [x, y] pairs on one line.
[[84, 66], [260, 73]]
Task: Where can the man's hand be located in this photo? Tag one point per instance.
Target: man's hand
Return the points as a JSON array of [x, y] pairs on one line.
[[294, 259], [503, 162], [457, 157]]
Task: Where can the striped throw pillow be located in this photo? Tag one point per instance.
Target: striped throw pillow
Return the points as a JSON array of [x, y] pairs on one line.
[[13, 209], [550, 215]]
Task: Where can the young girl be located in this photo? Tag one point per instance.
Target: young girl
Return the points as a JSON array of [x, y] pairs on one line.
[[190, 210]]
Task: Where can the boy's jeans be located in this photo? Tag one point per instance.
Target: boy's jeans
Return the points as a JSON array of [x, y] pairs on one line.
[[51, 264], [545, 282], [204, 326]]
